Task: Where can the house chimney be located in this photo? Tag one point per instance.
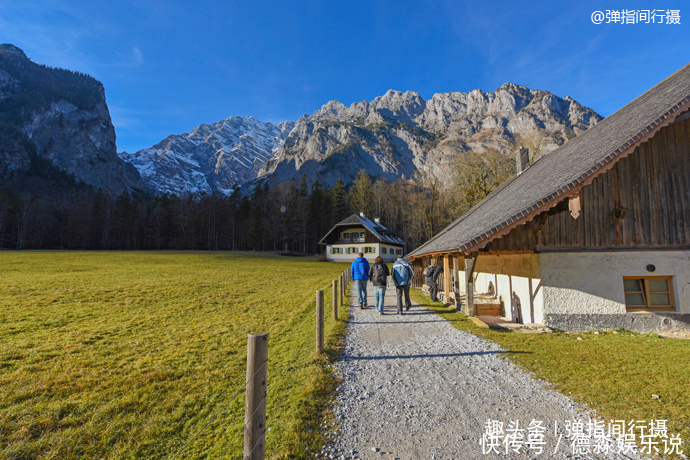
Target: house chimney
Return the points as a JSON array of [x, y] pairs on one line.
[[361, 214], [522, 160], [377, 220]]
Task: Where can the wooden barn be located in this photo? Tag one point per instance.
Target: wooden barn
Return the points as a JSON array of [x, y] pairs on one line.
[[595, 235]]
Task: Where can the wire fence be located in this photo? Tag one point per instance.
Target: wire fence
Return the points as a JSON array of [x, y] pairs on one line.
[[256, 409]]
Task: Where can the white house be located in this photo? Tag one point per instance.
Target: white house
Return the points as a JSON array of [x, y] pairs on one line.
[[359, 234]]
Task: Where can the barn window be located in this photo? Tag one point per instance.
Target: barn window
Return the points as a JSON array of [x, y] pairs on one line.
[[648, 293]]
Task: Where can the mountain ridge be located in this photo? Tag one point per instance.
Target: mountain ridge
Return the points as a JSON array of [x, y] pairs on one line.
[[399, 133], [62, 117]]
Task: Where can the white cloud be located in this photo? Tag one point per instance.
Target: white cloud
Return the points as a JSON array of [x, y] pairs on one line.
[[137, 55]]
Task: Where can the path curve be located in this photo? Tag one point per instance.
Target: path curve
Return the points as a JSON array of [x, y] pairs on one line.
[[414, 387]]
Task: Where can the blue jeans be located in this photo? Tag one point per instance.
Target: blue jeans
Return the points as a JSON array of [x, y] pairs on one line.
[[379, 294], [361, 291]]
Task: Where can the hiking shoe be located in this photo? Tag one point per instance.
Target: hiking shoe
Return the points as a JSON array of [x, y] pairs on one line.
[[407, 308]]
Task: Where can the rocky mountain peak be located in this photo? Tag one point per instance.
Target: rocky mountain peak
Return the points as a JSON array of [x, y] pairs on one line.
[[400, 106], [331, 109], [13, 49]]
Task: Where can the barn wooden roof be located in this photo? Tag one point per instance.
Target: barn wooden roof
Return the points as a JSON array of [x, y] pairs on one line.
[[564, 171]]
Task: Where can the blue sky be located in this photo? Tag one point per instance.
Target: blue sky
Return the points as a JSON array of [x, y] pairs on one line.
[[168, 66]]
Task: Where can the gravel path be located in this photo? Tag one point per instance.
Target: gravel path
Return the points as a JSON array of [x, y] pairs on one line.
[[414, 387]]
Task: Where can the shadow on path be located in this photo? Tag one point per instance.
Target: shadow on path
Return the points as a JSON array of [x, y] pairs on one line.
[[440, 355]]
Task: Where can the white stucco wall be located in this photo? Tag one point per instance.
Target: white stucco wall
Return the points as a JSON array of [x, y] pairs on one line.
[[360, 247], [592, 282]]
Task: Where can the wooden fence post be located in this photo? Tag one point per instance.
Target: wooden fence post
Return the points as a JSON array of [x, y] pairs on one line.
[[255, 401], [341, 289], [335, 300], [319, 321]]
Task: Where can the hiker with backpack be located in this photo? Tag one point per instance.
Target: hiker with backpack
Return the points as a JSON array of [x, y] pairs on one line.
[[378, 274], [431, 273], [402, 277], [359, 272]]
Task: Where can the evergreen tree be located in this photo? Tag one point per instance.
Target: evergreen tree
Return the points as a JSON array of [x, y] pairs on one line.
[[338, 201]]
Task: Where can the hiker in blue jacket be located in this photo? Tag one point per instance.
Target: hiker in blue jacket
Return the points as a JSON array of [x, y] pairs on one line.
[[359, 272], [402, 277]]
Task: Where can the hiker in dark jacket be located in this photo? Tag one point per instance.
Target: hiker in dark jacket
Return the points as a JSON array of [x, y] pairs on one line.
[[431, 273], [359, 272], [378, 275]]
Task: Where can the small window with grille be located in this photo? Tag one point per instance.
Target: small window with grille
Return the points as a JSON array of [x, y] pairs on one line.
[[648, 293]]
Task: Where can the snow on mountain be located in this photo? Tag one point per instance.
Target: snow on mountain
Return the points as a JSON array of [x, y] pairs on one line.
[[211, 158]]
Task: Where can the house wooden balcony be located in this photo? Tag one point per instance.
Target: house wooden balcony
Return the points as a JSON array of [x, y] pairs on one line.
[[350, 240]]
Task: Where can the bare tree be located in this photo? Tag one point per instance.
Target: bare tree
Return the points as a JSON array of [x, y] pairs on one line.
[[477, 175]]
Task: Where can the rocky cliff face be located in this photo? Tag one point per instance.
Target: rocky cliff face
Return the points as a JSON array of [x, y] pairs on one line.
[[59, 116], [398, 133], [211, 158]]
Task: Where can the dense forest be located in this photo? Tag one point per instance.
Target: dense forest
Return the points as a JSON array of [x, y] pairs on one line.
[[47, 210]]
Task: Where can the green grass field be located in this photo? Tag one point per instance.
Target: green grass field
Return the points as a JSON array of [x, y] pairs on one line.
[[615, 373], [130, 354]]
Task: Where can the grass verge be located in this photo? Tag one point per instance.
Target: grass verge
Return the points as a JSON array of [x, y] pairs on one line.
[[615, 373]]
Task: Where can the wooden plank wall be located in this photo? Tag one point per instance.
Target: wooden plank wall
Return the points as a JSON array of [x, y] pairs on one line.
[[643, 201]]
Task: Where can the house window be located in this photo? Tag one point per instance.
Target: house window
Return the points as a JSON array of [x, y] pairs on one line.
[[648, 293], [336, 250], [384, 250], [398, 252], [352, 250], [369, 250]]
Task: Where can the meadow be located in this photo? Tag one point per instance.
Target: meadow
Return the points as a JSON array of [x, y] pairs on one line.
[[131, 354], [623, 375]]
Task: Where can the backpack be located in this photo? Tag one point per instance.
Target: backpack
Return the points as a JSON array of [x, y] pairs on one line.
[[428, 271], [379, 274]]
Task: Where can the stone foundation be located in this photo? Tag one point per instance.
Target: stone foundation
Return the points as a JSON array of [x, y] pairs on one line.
[[638, 322]]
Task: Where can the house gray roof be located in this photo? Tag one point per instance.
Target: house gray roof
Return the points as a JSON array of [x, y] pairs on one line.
[[378, 230], [563, 171]]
